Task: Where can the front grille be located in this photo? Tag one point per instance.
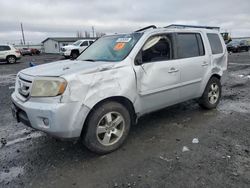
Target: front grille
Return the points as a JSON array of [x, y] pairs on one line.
[[63, 49], [24, 86]]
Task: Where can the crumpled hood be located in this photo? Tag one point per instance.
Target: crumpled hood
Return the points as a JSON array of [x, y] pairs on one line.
[[64, 67]]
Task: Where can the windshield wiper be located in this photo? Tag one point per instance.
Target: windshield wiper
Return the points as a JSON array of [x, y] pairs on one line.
[[92, 60]]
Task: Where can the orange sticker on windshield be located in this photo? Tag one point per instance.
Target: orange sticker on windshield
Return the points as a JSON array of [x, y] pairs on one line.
[[119, 46]]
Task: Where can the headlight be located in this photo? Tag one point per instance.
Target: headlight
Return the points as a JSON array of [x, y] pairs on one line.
[[48, 87]]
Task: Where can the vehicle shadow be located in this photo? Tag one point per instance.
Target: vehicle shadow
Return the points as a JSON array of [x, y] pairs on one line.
[[69, 156]]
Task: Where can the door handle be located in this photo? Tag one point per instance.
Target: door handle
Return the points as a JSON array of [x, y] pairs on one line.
[[172, 70], [205, 64]]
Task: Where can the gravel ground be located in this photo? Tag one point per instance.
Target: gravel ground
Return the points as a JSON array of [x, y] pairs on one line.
[[180, 146]]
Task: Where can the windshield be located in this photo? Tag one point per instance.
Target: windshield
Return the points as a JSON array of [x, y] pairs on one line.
[[111, 48], [77, 43]]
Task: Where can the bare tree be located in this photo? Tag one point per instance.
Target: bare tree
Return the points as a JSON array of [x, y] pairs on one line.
[[87, 34], [100, 34], [79, 34]]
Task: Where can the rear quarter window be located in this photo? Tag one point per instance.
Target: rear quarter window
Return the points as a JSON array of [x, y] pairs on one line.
[[215, 43]]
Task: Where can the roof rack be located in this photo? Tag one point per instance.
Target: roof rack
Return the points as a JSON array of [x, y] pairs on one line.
[[145, 28], [191, 26]]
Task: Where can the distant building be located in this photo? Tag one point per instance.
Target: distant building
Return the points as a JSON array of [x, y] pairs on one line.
[[36, 46], [54, 44]]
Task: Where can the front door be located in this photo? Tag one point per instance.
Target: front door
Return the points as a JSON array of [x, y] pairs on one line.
[[157, 74]]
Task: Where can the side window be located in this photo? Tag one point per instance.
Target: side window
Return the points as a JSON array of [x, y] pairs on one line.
[[215, 43], [91, 42], [188, 45], [4, 48], [85, 43], [157, 48]]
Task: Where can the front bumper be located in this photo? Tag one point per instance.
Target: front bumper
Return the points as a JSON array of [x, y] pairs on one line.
[[67, 53], [62, 120]]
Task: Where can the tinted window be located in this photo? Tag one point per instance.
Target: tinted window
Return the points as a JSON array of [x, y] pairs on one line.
[[85, 43], [215, 43], [157, 48], [91, 42], [4, 48], [188, 45]]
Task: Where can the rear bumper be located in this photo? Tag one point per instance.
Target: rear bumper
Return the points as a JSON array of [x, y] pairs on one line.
[[62, 120]]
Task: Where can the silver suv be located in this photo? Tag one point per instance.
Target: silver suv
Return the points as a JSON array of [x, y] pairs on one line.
[[117, 79]]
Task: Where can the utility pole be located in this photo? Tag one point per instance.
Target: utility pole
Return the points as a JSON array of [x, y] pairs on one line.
[[22, 33], [93, 31]]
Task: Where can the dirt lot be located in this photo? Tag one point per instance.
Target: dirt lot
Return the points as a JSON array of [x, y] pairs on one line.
[[158, 153]]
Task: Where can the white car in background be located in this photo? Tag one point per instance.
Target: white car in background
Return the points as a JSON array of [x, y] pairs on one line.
[[73, 51], [9, 53]]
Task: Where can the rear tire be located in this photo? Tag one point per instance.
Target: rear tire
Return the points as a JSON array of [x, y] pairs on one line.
[[212, 94], [107, 128], [11, 59]]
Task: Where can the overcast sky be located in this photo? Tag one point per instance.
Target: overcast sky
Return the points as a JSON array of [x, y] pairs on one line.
[[47, 18]]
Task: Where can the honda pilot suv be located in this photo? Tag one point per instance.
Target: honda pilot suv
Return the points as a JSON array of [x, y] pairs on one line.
[[116, 80]]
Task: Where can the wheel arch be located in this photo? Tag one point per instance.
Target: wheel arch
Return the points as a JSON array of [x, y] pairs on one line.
[[216, 76], [74, 50], [119, 99], [10, 55]]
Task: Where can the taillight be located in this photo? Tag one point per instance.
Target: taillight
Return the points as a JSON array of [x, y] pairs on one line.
[[17, 51]]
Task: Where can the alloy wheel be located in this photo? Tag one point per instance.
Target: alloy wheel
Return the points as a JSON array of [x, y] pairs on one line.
[[214, 93], [110, 128]]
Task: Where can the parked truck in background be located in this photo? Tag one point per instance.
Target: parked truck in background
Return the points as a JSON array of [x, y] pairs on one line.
[[73, 50]]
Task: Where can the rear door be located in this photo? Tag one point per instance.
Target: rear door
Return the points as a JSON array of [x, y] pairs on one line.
[[194, 64], [158, 74]]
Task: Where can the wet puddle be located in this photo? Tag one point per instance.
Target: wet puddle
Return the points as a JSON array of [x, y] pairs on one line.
[[11, 174], [7, 79]]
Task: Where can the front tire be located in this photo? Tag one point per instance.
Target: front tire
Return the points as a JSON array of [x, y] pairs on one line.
[[107, 128], [11, 59], [74, 54], [212, 94]]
